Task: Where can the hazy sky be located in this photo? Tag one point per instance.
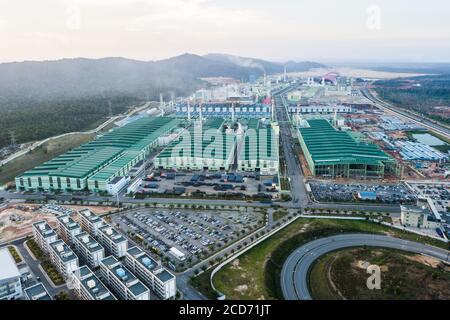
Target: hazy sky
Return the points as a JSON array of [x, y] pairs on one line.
[[384, 30]]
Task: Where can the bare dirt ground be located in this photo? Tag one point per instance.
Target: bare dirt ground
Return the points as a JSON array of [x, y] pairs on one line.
[[16, 220], [24, 216]]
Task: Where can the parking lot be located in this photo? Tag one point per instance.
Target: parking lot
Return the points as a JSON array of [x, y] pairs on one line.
[[188, 184], [439, 193], [388, 194], [192, 234]]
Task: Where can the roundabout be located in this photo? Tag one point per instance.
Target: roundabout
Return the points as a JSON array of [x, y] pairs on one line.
[[295, 271]]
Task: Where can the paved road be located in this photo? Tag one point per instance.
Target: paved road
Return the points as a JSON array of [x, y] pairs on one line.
[[294, 275], [293, 167]]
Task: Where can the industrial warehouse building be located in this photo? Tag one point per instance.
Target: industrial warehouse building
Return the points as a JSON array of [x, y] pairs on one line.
[[333, 153], [95, 165], [208, 148], [226, 110], [260, 147]]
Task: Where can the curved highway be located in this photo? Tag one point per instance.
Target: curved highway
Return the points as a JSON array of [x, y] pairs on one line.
[[294, 275]]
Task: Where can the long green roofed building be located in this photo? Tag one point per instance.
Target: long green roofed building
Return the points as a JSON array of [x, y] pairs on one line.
[[333, 153], [260, 149], [96, 164], [200, 148]]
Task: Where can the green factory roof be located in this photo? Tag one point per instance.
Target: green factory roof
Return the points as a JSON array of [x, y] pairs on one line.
[[327, 145], [259, 144], [91, 157], [210, 146]]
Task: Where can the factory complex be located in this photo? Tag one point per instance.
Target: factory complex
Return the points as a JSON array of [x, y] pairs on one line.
[[100, 162], [333, 153]]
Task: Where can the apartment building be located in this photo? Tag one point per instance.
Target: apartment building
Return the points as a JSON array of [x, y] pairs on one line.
[[90, 222], [88, 287], [63, 258], [68, 229], [37, 292], [113, 242], [44, 235], [151, 272], [89, 250], [124, 284]]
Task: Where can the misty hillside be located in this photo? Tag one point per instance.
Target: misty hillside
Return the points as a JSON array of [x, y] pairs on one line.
[[74, 78], [263, 65]]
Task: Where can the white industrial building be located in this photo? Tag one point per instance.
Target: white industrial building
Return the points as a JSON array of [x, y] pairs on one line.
[[44, 235], [63, 258], [10, 284], [320, 109], [68, 229], [89, 250], [419, 217], [88, 287], [152, 273], [113, 242], [90, 222], [116, 185], [124, 284]]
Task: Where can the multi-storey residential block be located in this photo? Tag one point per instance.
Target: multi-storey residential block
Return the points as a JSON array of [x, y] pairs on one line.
[[89, 250], [88, 287], [151, 272], [44, 235], [68, 229], [124, 284], [113, 242], [37, 292], [90, 222], [63, 258]]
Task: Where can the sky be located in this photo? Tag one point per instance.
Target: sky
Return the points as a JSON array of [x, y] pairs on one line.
[[279, 30]]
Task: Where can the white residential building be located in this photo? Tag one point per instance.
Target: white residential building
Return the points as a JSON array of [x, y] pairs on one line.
[[89, 250], [113, 242], [10, 285], [88, 287], [63, 258], [152, 273], [124, 284], [90, 222], [68, 229], [37, 292], [44, 235]]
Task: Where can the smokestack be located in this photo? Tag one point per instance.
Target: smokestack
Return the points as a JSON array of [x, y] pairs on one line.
[[189, 110], [273, 110], [285, 73], [232, 112], [201, 111]]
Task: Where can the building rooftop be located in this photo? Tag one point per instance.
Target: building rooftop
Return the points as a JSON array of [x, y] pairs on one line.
[[328, 146], [112, 234], [101, 155], [93, 285], [37, 292], [88, 242], [68, 222], [90, 216], [63, 251], [44, 229], [150, 264], [8, 268], [122, 274]]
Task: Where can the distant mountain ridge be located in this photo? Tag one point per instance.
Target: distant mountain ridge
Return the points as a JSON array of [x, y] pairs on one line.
[[80, 77]]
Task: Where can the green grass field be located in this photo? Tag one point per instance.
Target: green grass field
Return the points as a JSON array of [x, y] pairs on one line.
[[256, 274], [41, 154]]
